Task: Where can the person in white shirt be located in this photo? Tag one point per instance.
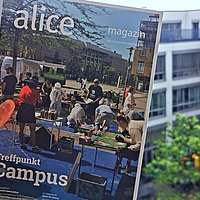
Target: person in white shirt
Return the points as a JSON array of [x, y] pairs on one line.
[[103, 117], [77, 115], [56, 98], [84, 82], [129, 102], [132, 136]]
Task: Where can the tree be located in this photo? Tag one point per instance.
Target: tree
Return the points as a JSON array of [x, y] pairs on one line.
[[15, 39], [173, 163], [111, 75]]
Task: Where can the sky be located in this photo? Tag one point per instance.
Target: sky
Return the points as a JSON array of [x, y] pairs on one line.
[[118, 27], [118, 35], [159, 5]]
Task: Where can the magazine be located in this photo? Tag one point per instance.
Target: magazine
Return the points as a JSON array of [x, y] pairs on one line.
[[76, 84]]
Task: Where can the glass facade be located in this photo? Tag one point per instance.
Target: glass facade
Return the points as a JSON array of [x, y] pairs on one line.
[[171, 32], [158, 104], [153, 134], [160, 68], [177, 73], [186, 64], [186, 98]]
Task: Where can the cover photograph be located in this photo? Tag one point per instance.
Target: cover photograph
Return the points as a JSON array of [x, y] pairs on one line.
[[76, 81]]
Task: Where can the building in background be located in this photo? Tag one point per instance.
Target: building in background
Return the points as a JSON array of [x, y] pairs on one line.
[[177, 78], [143, 54], [80, 58]]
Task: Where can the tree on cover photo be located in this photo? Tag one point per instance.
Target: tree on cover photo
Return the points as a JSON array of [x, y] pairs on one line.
[[16, 39]]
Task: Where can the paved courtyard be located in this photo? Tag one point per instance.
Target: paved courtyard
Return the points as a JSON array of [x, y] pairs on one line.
[[140, 98]]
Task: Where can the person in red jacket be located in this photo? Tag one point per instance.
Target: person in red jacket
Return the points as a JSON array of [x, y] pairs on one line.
[[28, 98]]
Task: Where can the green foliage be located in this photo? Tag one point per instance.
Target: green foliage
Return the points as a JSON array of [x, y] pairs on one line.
[[168, 196], [173, 162], [175, 196]]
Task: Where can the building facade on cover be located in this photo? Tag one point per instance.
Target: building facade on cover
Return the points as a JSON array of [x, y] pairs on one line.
[[143, 54], [177, 87], [79, 57]]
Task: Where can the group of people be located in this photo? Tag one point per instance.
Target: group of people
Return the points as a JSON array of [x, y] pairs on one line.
[[91, 97], [130, 123], [29, 97], [95, 109]]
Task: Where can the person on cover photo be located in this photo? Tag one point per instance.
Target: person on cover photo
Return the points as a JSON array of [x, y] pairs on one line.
[[95, 93], [129, 102], [56, 99], [132, 135], [103, 117], [77, 115], [9, 85], [46, 90], [28, 77], [28, 98]]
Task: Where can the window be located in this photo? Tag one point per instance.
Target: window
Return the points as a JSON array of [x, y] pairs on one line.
[[60, 71], [142, 53], [89, 52], [158, 104], [140, 67], [45, 69], [171, 26], [140, 43], [160, 68], [93, 54], [186, 98], [171, 31], [186, 64], [153, 134], [195, 30]]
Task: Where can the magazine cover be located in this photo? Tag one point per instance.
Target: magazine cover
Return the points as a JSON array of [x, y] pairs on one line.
[[76, 83]]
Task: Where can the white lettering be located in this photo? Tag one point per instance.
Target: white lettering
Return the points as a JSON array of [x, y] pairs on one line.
[[22, 21], [49, 23], [34, 17], [25, 172], [42, 19], [119, 32], [54, 179], [37, 177], [63, 180], [40, 178], [63, 25], [10, 172], [135, 33], [24, 17], [2, 166], [124, 33], [112, 31]]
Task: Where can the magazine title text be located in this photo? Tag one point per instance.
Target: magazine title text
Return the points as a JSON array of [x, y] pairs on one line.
[[22, 21]]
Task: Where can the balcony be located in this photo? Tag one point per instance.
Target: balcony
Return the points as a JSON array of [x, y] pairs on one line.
[[179, 35]]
